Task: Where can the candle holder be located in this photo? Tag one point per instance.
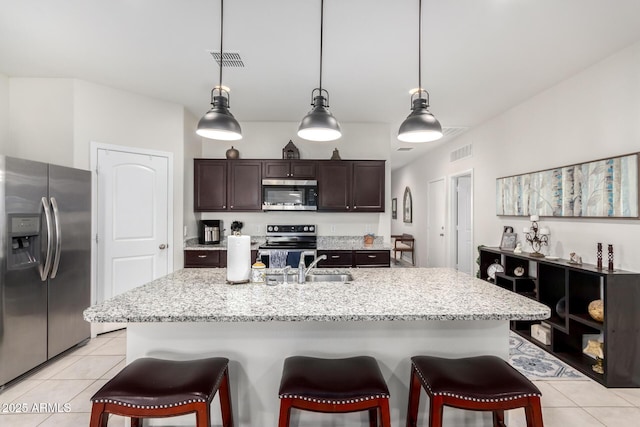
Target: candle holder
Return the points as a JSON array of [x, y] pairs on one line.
[[537, 237]]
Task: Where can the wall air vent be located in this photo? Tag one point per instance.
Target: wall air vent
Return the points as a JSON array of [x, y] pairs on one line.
[[229, 58], [405, 149], [452, 132], [461, 153]]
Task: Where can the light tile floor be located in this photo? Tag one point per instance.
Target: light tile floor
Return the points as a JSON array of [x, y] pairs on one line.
[[58, 395]]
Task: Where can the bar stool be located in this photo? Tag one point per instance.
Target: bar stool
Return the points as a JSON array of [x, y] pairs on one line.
[[334, 386], [154, 388], [483, 383]]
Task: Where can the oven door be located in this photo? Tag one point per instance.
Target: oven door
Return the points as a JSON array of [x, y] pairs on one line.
[[292, 256]]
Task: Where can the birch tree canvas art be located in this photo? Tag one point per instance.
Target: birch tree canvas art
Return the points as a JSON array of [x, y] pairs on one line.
[[602, 188]]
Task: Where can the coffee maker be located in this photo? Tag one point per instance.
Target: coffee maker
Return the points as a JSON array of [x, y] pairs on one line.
[[209, 231]]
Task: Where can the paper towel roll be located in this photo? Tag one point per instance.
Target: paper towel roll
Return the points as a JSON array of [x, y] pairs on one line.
[[238, 258]]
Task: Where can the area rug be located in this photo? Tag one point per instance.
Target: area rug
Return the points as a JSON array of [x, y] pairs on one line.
[[537, 364]]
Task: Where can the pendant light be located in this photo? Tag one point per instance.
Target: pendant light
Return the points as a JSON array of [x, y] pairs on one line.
[[319, 124], [218, 122], [420, 125]]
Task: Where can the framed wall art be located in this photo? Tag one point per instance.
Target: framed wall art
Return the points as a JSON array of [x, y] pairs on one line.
[[407, 207], [394, 208], [606, 188]]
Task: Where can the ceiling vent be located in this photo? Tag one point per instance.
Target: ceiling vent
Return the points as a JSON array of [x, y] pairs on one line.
[[452, 132], [229, 58], [405, 149], [461, 153]]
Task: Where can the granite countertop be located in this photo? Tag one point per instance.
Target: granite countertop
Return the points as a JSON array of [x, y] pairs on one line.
[[201, 295]]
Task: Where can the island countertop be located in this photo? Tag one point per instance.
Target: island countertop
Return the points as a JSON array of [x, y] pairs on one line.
[[201, 295]]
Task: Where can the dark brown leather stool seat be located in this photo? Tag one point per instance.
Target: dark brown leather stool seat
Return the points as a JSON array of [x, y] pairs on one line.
[[482, 383], [334, 386], [151, 388]]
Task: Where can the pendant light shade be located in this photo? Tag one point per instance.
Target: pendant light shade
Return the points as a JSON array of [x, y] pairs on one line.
[[420, 125], [319, 124], [218, 122]]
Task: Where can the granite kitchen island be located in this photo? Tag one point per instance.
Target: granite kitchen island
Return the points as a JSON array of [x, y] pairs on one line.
[[390, 314]]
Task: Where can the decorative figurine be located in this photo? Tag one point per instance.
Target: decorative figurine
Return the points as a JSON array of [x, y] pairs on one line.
[[594, 348], [335, 155], [290, 151], [610, 257], [575, 258], [518, 248], [599, 256]]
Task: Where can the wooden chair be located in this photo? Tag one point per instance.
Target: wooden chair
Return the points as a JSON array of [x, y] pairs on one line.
[[403, 243], [154, 388]]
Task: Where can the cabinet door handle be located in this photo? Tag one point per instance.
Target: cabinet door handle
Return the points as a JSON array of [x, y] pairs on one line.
[[224, 206], [202, 256], [371, 256], [335, 256], [355, 207], [231, 207]]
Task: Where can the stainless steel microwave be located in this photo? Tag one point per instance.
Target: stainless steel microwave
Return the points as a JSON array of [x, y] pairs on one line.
[[289, 195]]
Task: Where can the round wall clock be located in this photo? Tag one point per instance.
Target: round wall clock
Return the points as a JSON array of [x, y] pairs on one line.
[[518, 271], [494, 268]]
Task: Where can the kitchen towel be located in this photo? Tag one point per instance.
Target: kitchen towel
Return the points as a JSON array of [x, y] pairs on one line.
[[238, 259], [278, 259]]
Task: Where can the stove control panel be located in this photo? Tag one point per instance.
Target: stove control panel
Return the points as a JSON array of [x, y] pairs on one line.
[[291, 229]]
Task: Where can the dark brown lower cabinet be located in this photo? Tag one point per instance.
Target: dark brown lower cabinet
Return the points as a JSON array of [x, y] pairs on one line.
[[567, 289], [359, 258], [209, 259]]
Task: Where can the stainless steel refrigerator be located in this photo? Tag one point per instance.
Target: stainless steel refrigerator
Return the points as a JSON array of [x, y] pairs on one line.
[[45, 262]]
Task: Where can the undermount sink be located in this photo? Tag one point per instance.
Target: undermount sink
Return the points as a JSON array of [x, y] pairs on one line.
[[345, 277], [275, 278]]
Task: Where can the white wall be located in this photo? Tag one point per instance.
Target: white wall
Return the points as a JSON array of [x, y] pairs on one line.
[[113, 116], [265, 140], [192, 150], [4, 113], [592, 115], [41, 115]]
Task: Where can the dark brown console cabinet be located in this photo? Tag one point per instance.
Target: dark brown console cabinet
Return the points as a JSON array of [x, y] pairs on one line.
[[568, 289], [208, 259], [351, 185], [227, 185], [289, 169]]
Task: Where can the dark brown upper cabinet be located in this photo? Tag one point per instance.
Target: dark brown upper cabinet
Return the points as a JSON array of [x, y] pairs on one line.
[[351, 185], [210, 185], [292, 169], [227, 185]]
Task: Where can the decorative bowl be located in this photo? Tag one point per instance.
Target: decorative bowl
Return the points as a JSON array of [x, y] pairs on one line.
[[596, 310], [561, 307]]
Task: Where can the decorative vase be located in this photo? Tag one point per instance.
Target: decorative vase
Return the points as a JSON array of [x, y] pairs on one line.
[[561, 308], [596, 310], [232, 153]]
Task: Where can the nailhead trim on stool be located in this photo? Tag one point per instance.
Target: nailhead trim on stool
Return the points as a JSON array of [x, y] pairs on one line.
[[334, 386], [150, 388], [484, 383]]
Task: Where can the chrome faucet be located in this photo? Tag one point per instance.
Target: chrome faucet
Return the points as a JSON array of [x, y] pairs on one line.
[[304, 272], [285, 271]]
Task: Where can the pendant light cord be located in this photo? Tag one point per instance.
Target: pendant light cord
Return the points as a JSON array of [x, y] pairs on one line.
[[420, 49], [321, 28], [221, 33]]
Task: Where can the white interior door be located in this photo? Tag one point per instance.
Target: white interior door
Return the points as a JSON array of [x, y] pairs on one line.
[[463, 224], [133, 214], [437, 207]]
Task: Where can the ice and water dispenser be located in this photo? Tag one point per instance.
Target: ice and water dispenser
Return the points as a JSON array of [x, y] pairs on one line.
[[24, 241]]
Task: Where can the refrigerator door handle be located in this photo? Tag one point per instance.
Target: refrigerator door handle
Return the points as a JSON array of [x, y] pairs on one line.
[[44, 270], [56, 219]]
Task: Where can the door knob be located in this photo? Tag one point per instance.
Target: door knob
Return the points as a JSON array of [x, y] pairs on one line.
[[163, 246]]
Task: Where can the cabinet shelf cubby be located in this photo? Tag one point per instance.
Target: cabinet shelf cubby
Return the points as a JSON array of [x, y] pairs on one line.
[[567, 289]]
